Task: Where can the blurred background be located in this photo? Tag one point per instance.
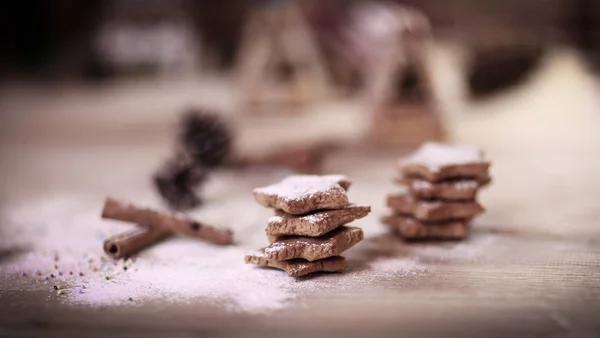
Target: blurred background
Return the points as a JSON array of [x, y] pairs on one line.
[[102, 39], [92, 95], [297, 80]]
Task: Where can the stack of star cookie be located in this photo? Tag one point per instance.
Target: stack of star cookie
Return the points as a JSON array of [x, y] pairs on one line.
[[442, 182], [308, 232]]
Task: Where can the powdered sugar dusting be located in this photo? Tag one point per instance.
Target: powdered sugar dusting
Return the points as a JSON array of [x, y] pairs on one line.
[[218, 276], [458, 185], [437, 155], [421, 184], [400, 266], [465, 185], [64, 235], [471, 250], [276, 219], [314, 218], [299, 187]]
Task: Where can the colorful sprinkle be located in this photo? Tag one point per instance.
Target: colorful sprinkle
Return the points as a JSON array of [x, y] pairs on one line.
[[60, 273], [51, 275], [60, 292], [71, 273], [23, 274], [100, 275], [107, 277], [125, 268], [94, 269], [55, 287], [106, 268], [80, 292], [39, 274], [45, 277], [83, 286], [36, 271], [130, 299], [55, 267], [81, 274]]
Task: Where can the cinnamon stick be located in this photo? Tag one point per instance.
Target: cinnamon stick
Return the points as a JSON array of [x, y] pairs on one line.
[[155, 220], [128, 243]]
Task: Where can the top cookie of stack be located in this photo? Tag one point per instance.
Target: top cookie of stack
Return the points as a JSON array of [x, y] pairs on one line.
[[442, 182], [308, 232]]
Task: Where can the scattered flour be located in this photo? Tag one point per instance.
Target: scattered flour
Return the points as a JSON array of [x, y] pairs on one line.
[[470, 250], [399, 266], [64, 235]]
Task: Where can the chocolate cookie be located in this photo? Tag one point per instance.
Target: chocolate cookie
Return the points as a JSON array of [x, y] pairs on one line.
[[432, 211], [409, 228], [435, 162], [314, 248], [453, 190], [301, 194], [316, 223], [299, 267]]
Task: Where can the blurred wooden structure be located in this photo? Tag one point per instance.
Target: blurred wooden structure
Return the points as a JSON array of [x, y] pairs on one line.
[[405, 120], [399, 94], [303, 159], [279, 66]]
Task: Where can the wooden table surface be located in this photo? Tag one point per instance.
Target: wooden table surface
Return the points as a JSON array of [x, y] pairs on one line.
[[530, 268]]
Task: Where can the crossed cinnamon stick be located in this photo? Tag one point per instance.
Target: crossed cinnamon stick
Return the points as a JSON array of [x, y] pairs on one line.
[[155, 226]]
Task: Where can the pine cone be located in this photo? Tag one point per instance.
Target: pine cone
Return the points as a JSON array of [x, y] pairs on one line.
[[206, 137], [178, 180]]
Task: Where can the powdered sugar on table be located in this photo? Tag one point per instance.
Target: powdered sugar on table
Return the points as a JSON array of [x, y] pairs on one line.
[[63, 237]]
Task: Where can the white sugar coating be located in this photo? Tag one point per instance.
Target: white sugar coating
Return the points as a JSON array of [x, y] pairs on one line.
[[429, 205], [465, 185], [421, 184], [312, 218], [67, 232], [275, 219], [414, 203], [298, 187], [458, 185], [437, 155]]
